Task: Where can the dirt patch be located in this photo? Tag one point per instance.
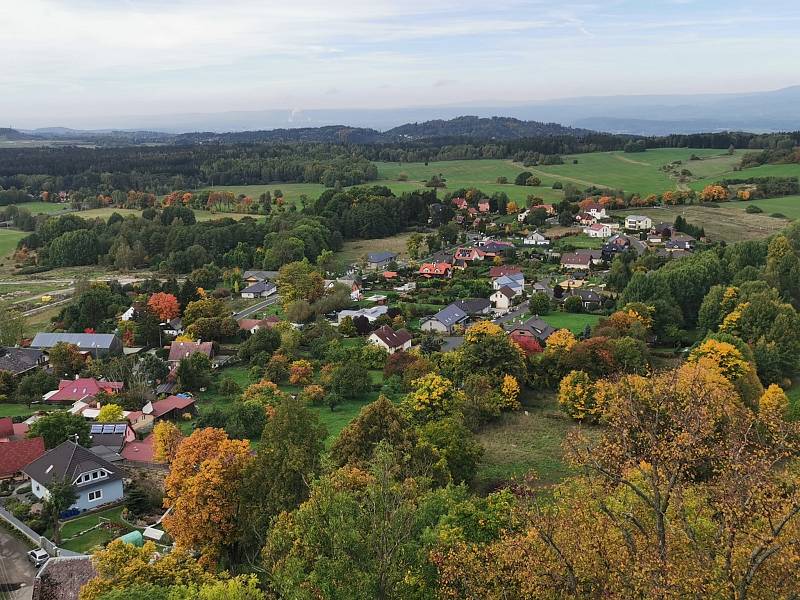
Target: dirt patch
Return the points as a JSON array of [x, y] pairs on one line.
[[632, 162]]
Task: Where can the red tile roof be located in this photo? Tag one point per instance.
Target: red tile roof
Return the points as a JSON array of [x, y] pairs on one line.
[[170, 403], [70, 390], [435, 269], [495, 272], [181, 350], [393, 339], [139, 451], [15, 454], [6, 427]]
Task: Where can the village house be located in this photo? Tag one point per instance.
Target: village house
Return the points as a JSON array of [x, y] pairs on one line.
[[173, 327], [108, 439], [19, 361], [503, 298], [536, 239], [590, 300], [500, 270], [523, 215], [638, 223], [534, 328], [260, 289], [73, 390], [681, 241], [250, 277], [460, 203], [585, 219], [598, 230], [542, 287], [97, 481], [474, 306], [98, 345], [574, 260], [371, 313], [597, 210], [171, 407], [62, 577], [380, 260], [445, 320], [253, 325], [16, 449], [436, 270], [390, 340], [621, 243], [515, 281], [469, 254], [180, 350], [351, 284]]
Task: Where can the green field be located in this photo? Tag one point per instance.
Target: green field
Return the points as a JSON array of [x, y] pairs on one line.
[[291, 191], [635, 172], [8, 241], [481, 174], [48, 208], [572, 321], [762, 171], [788, 205], [525, 441], [200, 215]]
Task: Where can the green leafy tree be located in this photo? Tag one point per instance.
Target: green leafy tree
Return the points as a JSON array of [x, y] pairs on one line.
[[58, 427], [286, 462], [34, 385], [539, 304], [299, 280], [12, 327], [194, 372], [61, 496], [65, 360]]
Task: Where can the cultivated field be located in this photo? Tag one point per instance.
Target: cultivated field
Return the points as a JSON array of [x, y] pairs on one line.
[[787, 205], [762, 171], [728, 221], [354, 250], [200, 215]]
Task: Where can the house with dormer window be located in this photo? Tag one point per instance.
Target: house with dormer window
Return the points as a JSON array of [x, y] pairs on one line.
[[96, 480]]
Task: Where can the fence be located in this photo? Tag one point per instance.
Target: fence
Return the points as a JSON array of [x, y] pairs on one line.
[[35, 538]]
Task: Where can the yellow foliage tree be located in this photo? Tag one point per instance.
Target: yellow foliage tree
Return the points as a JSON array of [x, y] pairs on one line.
[[580, 398], [264, 392], [300, 372], [722, 356], [166, 440], [560, 341], [432, 397], [109, 413], [714, 193], [509, 390], [773, 401], [482, 329]]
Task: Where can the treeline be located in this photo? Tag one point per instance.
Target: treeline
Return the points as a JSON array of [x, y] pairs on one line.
[[13, 196], [768, 187], [170, 240], [165, 168]]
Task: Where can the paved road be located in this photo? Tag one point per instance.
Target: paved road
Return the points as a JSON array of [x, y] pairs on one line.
[[517, 311], [251, 310], [16, 573]]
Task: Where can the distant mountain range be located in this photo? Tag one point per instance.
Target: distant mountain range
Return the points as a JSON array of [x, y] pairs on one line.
[[777, 110], [494, 128]]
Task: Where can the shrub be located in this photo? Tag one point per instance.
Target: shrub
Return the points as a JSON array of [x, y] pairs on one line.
[[573, 304], [753, 209]]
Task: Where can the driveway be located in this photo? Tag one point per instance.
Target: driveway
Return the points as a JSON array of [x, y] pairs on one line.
[[16, 573], [515, 313], [252, 310]]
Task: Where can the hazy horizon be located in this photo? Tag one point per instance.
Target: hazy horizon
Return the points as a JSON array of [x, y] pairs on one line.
[[91, 64]]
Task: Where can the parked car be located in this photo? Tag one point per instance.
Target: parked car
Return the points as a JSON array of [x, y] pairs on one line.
[[38, 557]]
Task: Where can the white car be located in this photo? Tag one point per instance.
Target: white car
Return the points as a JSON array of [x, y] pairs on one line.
[[38, 557]]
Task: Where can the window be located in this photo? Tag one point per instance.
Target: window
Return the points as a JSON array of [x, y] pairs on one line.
[[95, 495], [95, 474]]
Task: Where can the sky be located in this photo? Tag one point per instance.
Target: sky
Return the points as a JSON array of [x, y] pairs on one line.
[[86, 63]]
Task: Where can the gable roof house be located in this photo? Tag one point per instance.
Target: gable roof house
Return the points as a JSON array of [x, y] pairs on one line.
[[380, 260], [445, 320], [598, 230], [16, 450], [638, 222], [74, 390], [679, 241], [110, 436], [371, 313], [501, 270], [180, 350], [171, 407], [19, 361], [173, 326], [96, 480], [460, 203], [436, 269], [573, 260], [474, 306], [503, 298], [260, 289], [597, 210], [469, 254], [584, 218], [253, 325], [590, 299], [515, 281], [257, 276], [96, 344], [390, 340], [536, 239], [533, 327]]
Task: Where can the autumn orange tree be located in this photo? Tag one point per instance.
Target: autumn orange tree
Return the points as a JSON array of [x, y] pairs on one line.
[[202, 491], [300, 372], [164, 306]]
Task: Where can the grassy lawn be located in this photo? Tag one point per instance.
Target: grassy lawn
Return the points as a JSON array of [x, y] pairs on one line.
[[8, 241], [575, 322], [17, 410], [200, 215], [528, 440], [579, 241], [95, 537], [291, 191], [46, 208], [354, 250], [761, 171]]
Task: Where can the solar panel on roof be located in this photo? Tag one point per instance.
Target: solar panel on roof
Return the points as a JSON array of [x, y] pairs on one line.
[[120, 428], [108, 429], [97, 429]]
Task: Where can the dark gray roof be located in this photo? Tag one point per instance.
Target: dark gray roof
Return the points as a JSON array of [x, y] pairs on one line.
[[588, 295], [472, 306], [67, 461], [377, 257], [259, 287], [110, 435], [450, 315], [62, 577], [84, 341], [261, 275], [536, 326], [19, 360], [506, 291]]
